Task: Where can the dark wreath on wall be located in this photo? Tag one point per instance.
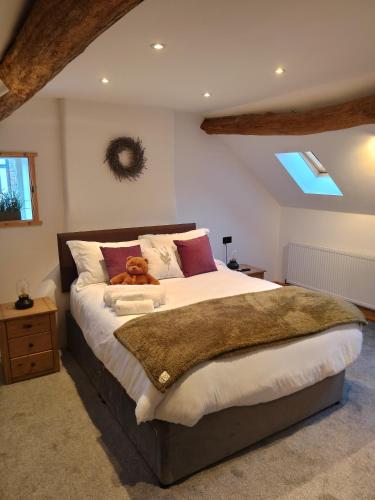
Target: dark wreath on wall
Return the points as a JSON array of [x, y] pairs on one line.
[[125, 157]]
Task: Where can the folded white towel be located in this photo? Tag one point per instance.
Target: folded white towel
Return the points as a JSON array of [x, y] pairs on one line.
[[134, 292], [128, 288], [157, 298], [125, 307]]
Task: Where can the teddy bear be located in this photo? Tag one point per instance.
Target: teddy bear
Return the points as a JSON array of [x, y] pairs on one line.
[[136, 273]]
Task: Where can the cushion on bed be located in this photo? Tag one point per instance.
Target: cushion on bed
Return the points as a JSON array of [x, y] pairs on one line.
[[115, 258], [196, 256], [166, 240], [163, 239], [162, 262], [90, 262]]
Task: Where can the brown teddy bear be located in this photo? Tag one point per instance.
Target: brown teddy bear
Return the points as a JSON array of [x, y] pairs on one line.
[[136, 273]]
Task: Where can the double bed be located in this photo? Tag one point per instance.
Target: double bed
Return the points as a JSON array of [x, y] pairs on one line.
[[218, 407]]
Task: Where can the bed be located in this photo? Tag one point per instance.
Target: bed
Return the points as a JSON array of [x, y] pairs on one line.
[[205, 417]]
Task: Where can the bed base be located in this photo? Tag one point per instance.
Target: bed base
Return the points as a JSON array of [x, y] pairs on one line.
[[175, 451]]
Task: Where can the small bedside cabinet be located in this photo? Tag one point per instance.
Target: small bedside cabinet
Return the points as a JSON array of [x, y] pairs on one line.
[[252, 271], [28, 340]]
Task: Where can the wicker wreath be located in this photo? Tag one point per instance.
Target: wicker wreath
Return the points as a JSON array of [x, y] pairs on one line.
[[125, 157]]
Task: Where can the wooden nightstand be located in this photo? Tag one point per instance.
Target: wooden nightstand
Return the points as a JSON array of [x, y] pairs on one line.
[[28, 340], [254, 272]]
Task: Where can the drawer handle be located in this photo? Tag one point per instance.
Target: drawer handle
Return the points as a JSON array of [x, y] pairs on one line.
[[27, 325], [31, 344], [32, 365]]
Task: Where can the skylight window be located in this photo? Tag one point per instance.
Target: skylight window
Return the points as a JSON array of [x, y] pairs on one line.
[[308, 173]]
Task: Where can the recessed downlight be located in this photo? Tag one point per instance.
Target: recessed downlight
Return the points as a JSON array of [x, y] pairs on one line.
[[280, 70], [158, 46], [207, 95], [104, 80]]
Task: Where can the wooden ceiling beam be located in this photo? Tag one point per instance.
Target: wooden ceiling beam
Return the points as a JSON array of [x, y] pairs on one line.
[[339, 116], [54, 33]]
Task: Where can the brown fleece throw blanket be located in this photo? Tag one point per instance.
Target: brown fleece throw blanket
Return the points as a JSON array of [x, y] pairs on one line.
[[169, 343]]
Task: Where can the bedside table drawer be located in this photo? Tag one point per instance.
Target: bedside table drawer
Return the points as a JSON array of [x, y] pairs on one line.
[[30, 344], [28, 326], [32, 364], [28, 340]]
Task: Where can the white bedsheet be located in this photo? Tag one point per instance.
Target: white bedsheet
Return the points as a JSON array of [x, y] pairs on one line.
[[247, 379]]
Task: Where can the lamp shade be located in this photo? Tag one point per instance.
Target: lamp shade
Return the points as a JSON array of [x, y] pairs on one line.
[[23, 288]]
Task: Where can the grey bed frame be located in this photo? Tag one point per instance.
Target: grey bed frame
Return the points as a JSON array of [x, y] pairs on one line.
[[174, 451]]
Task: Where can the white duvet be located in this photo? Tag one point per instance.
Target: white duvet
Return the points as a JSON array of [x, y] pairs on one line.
[[247, 379]]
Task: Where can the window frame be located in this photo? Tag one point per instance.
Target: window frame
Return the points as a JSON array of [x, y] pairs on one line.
[[316, 169], [35, 221]]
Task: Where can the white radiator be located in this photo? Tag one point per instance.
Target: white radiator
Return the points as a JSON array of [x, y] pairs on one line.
[[339, 273]]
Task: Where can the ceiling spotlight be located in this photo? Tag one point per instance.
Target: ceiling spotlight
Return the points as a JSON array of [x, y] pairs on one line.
[[207, 94], [158, 46], [280, 70], [104, 80]]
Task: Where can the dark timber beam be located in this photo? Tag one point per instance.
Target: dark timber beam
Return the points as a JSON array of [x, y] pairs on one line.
[[349, 114], [54, 33]]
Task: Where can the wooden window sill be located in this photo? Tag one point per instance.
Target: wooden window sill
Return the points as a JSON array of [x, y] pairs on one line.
[[20, 223]]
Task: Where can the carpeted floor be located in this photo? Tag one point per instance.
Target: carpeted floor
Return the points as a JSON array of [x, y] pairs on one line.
[[58, 441]]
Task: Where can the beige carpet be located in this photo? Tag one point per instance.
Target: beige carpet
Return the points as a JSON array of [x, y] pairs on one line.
[[57, 440]]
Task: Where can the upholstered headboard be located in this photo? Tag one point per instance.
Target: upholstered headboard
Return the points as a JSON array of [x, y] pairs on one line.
[[68, 270]]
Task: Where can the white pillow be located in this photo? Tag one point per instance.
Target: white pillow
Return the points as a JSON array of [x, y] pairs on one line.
[[90, 262], [167, 239], [162, 262]]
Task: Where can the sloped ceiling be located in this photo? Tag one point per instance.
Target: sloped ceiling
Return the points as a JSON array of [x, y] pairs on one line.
[[231, 49], [348, 155]]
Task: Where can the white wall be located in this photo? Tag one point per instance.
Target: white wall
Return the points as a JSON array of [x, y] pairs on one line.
[[190, 177], [94, 198], [337, 230], [76, 191], [217, 191], [348, 155], [180, 159], [31, 252]]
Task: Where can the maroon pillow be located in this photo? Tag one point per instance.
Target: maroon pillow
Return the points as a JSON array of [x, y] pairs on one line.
[[196, 256], [115, 258]]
